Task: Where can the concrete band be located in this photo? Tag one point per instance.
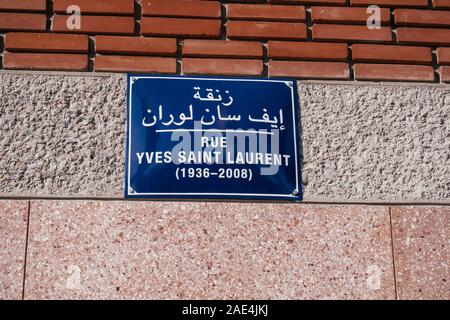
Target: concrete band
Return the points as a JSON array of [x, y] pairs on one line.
[[63, 136]]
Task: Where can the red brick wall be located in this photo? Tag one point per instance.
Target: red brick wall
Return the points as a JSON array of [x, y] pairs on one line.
[[305, 39]]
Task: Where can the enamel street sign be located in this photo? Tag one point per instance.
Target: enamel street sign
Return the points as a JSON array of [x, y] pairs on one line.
[[201, 137]]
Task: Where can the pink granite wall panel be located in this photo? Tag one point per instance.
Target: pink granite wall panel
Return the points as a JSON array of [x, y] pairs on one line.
[[421, 237], [13, 232], [88, 249]]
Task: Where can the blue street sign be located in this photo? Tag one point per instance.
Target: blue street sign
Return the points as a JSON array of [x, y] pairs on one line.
[[204, 137]]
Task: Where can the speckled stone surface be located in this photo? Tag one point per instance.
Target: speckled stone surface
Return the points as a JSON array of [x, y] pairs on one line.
[[158, 250], [13, 231], [422, 252], [63, 136], [375, 142]]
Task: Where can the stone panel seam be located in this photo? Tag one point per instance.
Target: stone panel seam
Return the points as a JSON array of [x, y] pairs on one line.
[[393, 252], [306, 202], [26, 250]]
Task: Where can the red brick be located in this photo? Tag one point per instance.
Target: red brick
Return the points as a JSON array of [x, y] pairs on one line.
[[393, 72], [309, 69], [347, 33], [181, 8], [445, 73], [342, 2], [423, 36], [204, 28], [417, 18], [136, 45], [23, 5], [46, 42], [307, 51], [443, 55], [346, 15], [222, 49], [388, 53], [391, 3], [135, 64], [265, 12], [22, 22], [45, 61], [266, 30], [441, 4], [96, 24], [117, 7], [222, 66]]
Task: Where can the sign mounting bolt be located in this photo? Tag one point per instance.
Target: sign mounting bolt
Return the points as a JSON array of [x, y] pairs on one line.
[[290, 84]]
